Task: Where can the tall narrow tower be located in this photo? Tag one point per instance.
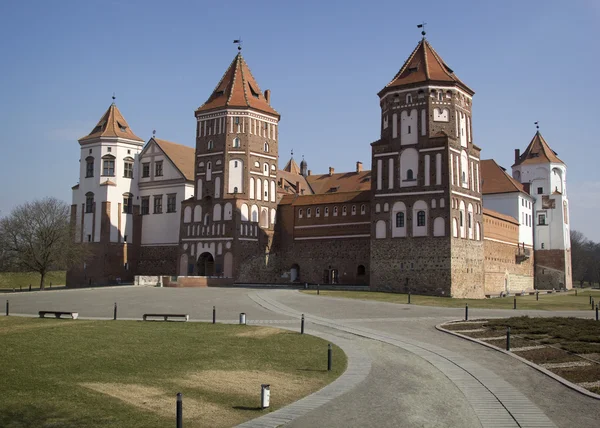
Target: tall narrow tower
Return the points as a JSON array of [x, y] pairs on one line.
[[426, 205], [544, 173], [103, 213], [232, 214]]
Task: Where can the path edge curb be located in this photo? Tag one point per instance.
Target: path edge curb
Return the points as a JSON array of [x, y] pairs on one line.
[[541, 369]]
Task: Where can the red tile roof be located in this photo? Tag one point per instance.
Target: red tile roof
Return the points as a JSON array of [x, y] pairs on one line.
[[500, 216], [340, 182], [538, 151], [181, 156], [237, 88], [292, 167], [496, 180], [424, 65], [290, 180], [112, 124]]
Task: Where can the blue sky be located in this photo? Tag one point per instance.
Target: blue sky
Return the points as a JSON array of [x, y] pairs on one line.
[[324, 62]]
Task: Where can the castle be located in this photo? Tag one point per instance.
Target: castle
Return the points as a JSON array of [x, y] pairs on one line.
[[430, 217]]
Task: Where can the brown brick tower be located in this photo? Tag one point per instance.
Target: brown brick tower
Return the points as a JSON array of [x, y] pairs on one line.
[[231, 216], [426, 207]]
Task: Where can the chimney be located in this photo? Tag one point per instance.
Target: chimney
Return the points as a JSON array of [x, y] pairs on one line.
[[331, 170], [358, 166], [517, 155], [268, 96], [309, 172], [298, 187]]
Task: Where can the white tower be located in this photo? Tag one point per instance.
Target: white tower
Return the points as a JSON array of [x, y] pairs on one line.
[[104, 204], [540, 170]]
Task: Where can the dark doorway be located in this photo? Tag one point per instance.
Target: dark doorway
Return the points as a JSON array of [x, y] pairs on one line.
[[206, 265]]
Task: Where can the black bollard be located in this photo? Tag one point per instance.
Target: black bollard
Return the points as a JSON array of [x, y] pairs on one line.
[[409, 297], [20, 288], [467, 312], [179, 411], [318, 289], [29, 287], [537, 295], [329, 352], [214, 314], [515, 303], [596, 312], [508, 338], [575, 292], [302, 325], [590, 299], [592, 304], [115, 312], [7, 308], [50, 285]]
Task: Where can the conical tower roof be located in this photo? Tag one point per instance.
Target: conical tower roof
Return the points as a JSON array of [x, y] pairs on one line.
[[424, 65], [538, 151], [238, 88], [292, 167], [112, 124]]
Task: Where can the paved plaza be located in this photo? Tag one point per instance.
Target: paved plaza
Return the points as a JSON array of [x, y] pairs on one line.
[[402, 371]]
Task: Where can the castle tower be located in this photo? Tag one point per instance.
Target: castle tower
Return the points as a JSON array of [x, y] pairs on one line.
[[103, 213], [232, 214], [426, 205], [544, 174]]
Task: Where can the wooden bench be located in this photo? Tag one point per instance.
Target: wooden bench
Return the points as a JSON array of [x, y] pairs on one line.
[[58, 314], [166, 317]]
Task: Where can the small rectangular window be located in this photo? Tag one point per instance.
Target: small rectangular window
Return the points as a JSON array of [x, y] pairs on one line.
[[157, 204], [409, 129], [146, 169], [109, 167], [171, 203], [89, 168], [541, 219], [158, 171], [127, 204], [540, 190], [145, 205], [128, 170]]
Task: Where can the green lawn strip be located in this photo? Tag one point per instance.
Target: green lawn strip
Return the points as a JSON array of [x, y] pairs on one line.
[[553, 302], [23, 279], [45, 363]]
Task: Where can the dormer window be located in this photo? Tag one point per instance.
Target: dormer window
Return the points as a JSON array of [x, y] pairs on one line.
[[123, 128], [253, 92]]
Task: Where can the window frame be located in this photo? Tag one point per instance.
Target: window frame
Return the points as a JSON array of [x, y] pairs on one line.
[[89, 172], [421, 218], [157, 204], [400, 220], [171, 202], [158, 168], [107, 161], [145, 169], [89, 203], [145, 205], [127, 203]]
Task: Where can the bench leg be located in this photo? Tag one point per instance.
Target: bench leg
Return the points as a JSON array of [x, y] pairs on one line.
[[166, 318], [57, 315]]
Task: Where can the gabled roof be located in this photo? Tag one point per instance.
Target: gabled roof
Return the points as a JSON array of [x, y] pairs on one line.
[[292, 167], [500, 216], [538, 151], [181, 156], [112, 124], [424, 65], [290, 180], [496, 180], [237, 88], [334, 198], [340, 182]]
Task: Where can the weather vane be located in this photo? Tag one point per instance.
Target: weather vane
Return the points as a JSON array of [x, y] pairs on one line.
[[423, 28], [239, 43], [292, 152], [113, 97], [153, 133], [537, 125]]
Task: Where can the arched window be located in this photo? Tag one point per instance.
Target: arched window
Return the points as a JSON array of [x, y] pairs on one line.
[[380, 229], [89, 166], [300, 213], [421, 218], [317, 212], [335, 210], [344, 210], [266, 147], [108, 165], [210, 145], [363, 209], [308, 212], [360, 270], [353, 209], [409, 175], [266, 169], [236, 142], [326, 211], [400, 219], [89, 202], [409, 99], [127, 203]]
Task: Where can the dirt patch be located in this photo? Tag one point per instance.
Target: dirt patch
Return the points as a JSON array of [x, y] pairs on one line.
[[547, 355], [464, 326], [580, 374], [284, 386], [162, 403], [259, 332], [515, 342]]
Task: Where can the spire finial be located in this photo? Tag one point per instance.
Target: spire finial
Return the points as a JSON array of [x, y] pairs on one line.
[[537, 126], [153, 133], [292, 152], [114, 98], [422, 25], [239, 43]]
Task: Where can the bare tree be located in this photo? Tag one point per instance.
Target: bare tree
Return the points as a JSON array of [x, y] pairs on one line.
[[36, 236]]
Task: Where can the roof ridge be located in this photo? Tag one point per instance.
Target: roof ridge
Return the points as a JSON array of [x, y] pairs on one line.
[[425, 59], [233, 80], [441, 62], [242, 62]]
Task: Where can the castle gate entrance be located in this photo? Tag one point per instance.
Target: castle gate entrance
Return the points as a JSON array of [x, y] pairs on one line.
[[206, 265]]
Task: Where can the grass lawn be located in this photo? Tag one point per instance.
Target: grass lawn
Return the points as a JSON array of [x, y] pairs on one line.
[[23, 279], [569, 347], [550, 302], [127, 373]]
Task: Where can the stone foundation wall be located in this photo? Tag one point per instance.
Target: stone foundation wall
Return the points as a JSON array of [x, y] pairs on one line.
[[424, 261], [552, 269], [105, 266], [467, 269], [158, 260], [502, 263], [196, 281]]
